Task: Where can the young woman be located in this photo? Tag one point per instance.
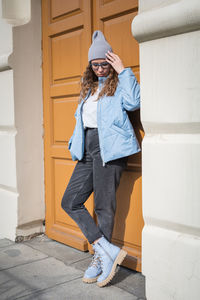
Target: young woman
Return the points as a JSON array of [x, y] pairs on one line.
[[102, 140]]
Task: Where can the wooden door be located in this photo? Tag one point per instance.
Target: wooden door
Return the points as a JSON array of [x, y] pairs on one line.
[[67, 30], [66, 38]]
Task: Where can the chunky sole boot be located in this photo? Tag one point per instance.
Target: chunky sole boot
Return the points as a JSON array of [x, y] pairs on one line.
[[89, 280], [122, 254], [110, 256], [93, 271]]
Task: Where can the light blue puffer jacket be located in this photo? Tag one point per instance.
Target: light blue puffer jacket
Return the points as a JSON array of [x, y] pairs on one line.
[[116, 135]]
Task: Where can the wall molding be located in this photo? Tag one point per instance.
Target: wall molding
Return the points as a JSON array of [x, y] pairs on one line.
[[16, 12], [176, 18]]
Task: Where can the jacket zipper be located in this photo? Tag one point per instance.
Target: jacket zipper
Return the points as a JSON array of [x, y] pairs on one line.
[[98, 120], [82, 128]]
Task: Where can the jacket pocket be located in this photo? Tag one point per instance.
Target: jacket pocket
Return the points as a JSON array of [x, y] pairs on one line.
[[121, 131]]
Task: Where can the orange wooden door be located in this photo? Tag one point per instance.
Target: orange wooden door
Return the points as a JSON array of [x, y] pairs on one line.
[[66, 38], [67, 31]]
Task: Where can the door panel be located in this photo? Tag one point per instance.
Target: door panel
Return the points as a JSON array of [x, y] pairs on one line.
[[66, 45], [60, 8], [63, 110], [67, 31]]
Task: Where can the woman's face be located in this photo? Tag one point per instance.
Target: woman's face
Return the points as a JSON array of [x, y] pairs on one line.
[[100, 70]]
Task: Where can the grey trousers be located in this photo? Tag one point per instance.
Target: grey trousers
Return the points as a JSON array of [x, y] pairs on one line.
[[90, 175]]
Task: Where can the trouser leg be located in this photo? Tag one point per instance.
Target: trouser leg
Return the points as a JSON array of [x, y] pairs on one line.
[[106, 181], [77, 192], [89, 174]]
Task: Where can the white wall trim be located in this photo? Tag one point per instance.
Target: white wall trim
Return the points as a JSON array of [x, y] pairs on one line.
[[9, 189], [16, 12], [180, 17]]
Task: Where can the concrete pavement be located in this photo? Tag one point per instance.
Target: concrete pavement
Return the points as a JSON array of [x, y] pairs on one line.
[[44, 269]]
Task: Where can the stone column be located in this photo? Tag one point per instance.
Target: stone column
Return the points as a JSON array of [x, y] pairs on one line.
[[169, 37], [21, 120]]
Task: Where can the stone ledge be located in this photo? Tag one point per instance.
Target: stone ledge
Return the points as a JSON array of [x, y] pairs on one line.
[[176, 18]]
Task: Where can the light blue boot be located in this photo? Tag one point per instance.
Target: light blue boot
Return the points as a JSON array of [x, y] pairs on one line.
[[110, 256], [93, 271]]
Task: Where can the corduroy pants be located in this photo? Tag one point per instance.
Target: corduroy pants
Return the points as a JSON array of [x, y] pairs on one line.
[[90, 175]]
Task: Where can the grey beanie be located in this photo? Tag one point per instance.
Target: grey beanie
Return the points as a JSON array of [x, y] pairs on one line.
[[99, 46]]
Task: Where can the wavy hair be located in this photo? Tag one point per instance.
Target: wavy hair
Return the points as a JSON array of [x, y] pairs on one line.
[[90, 81]]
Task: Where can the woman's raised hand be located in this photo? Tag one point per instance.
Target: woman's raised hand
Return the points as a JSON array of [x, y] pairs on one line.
[[115, 61]]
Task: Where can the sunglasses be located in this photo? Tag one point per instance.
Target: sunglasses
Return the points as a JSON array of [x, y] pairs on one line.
[[95, 66]]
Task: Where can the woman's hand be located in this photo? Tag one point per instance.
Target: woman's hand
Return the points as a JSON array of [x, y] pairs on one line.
[[115, 61]]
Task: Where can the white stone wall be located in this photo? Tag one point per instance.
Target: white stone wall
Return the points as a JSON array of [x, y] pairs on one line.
[[169, 36], [21, 120], [8, 178], [27, 65]]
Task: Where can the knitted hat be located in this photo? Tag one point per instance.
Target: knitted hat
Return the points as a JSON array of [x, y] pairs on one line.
[[99, 46]]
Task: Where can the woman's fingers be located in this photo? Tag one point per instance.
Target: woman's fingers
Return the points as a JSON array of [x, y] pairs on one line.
[[112, 56], [115, 61], [109, 59]]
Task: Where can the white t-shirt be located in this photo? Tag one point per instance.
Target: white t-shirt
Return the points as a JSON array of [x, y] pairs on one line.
[[89, 112]]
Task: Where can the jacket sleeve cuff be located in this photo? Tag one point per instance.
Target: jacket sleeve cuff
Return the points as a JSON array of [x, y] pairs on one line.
[[125, 72]]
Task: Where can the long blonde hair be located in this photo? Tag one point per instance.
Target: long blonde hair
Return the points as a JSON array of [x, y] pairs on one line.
[[90, 82]]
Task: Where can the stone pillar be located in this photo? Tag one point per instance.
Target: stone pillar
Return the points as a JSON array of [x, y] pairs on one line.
[[8, 179], [169, 37], [21, 119]]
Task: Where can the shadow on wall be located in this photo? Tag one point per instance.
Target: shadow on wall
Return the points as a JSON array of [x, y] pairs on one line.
[[128, 220]]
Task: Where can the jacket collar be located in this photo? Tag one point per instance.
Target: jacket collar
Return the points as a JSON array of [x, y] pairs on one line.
[[102, 79]]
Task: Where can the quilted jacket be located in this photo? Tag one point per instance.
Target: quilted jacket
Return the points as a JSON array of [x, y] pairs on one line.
[[116, 134]]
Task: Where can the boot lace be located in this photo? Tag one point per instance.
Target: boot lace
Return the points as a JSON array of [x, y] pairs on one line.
[[101, 258], [102, 263], [95, 260]]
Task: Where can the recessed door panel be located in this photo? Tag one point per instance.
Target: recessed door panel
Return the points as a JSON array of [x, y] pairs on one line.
[[63, 118]]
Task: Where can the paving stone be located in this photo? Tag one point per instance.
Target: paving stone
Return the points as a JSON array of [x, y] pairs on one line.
[[18, 254], [32, 277], [82, 264], [5, 243], [58, 250], [76, 289], [131, 281]]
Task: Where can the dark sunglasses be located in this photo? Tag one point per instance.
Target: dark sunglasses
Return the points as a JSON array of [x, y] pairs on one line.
[[95, 66]]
